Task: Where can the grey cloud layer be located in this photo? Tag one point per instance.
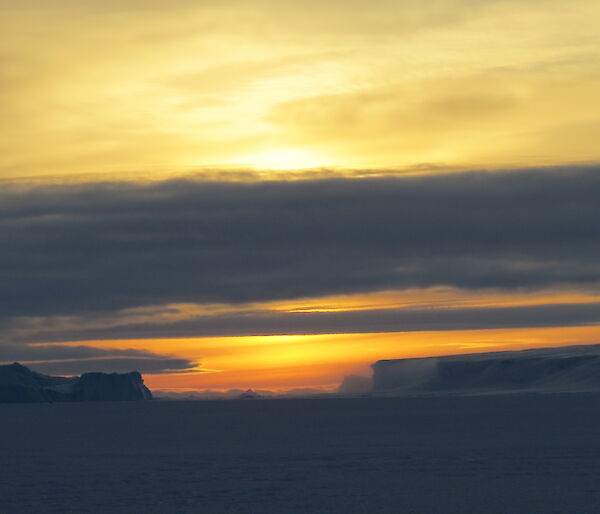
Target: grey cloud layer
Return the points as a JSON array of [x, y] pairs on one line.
[[71, 360], [146, 366], [104, 247], [367, 321]]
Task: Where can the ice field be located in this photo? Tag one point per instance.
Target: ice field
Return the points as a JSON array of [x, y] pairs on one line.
[[513, 454]]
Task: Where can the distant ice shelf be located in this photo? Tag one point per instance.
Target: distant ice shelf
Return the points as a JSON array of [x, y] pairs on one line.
[[564, 369]]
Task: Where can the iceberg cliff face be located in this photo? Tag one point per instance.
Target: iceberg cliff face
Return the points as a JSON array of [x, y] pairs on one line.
[[20, 384], [574, 368], [96, 387]]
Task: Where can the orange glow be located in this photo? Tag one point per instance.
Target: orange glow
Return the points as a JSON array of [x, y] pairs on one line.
[[439, 297], [285, 362]]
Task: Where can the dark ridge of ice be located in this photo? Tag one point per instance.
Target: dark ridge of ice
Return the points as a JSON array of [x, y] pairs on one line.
[[111, 387], [565, 369], [20, 384]]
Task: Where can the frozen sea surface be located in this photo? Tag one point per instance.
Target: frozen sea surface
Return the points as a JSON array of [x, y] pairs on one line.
[[497, 454]]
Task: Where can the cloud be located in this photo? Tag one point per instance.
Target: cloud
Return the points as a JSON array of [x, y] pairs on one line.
[[72, 250], [506, 114], [248, 323], [355, 384], [74, 360], [125, 365]]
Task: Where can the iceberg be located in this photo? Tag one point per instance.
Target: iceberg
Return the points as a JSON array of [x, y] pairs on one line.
[[19, 384], [564, 369]]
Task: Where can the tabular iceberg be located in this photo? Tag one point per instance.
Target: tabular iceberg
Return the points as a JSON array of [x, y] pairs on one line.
[[565, 369]]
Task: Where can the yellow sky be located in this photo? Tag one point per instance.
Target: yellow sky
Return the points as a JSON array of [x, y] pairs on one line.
[[148, 89], [158, 88]]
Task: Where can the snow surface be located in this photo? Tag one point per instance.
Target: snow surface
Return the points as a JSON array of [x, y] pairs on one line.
[[504, 454]]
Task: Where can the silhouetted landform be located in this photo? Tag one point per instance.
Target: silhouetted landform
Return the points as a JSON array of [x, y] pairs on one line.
[[19, 384], [565, 369], [239, 394], [250, 395]]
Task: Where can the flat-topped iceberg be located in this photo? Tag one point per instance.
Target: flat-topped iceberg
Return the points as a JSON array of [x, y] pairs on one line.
[[564, 369]]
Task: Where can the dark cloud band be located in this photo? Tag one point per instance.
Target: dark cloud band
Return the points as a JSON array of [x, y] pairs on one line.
[[366, 321], [104, 247], [74, 360]]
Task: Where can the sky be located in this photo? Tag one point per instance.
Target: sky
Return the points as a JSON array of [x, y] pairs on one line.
[[276, 194]]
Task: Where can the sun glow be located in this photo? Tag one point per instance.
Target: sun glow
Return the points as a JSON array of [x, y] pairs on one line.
[[284, 159], [156, 90]]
